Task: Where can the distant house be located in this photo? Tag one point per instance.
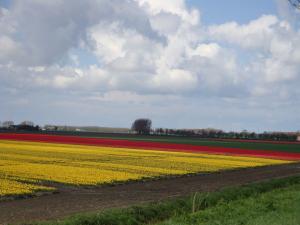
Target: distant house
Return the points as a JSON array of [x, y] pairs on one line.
[[7, 124], [50, 128], [298, 138]]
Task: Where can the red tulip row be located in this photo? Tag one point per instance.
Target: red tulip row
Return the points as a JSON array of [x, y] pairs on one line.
[[148, 145]]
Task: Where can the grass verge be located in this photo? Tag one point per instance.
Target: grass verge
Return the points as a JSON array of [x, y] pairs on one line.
[[237, 205], [277, 207]]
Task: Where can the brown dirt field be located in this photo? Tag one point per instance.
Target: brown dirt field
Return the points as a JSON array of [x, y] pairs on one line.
[[70, 200]]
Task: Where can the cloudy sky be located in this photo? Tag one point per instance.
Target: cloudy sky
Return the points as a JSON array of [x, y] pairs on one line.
[[183, 63]]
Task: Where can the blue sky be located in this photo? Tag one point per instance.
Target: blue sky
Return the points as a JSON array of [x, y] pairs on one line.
[[231, 64], [215, 12], [5, 3]]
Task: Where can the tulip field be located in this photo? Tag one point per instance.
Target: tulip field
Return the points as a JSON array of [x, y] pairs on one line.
[[36, 163]]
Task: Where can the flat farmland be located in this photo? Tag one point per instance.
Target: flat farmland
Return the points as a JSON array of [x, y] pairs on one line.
[[282, 146], [54, 173], [27, 165]]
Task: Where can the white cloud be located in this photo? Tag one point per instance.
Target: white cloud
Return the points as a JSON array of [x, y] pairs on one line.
[[144, 48], [255, 34], [174, 80], [165, 23], [167, 51], [47, 30], [175, 7], [9, 48], [273, 46], [109, 42], [206, 50]]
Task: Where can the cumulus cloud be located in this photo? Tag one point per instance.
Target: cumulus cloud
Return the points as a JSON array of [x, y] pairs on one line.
[[255, 34], [143, 48], [273, 44], [47, 30]]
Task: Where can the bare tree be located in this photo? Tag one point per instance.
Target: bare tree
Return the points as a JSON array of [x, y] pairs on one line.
[[27, 123], [142, 126], [295, 3], [7, 124]]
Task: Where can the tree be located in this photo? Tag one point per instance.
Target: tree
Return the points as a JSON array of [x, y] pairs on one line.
[[7, 124], [27, 123], [295, 3], [142, 126]]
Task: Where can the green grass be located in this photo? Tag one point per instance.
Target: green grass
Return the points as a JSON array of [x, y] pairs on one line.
[[277, 207], [273, 202]]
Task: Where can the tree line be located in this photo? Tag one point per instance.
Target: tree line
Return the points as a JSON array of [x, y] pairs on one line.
[[23, 126], [143, 126]]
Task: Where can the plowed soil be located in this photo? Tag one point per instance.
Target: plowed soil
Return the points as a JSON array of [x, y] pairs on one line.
[[72, 200]]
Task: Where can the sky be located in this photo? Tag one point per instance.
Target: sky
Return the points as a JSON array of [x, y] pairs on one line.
[[231, 65]]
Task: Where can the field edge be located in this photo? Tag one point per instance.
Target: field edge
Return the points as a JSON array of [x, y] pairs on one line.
[[157, 212]]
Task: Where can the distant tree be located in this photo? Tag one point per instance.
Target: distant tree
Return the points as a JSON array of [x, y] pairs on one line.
[[27, 123], [7, 124], [295, 3], [142, 126]]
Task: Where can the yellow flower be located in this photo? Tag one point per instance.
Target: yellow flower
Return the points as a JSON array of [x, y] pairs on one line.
[[22, 163]]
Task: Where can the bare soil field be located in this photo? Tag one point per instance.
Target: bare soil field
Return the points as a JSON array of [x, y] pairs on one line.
[[72, 200]]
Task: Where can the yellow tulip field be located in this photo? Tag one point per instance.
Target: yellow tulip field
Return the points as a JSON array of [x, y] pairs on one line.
[[28, 167]]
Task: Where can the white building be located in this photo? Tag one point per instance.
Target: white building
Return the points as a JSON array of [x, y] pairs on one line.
[[7, 124]]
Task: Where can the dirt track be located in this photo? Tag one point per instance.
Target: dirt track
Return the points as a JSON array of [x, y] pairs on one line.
[[74, 200]]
